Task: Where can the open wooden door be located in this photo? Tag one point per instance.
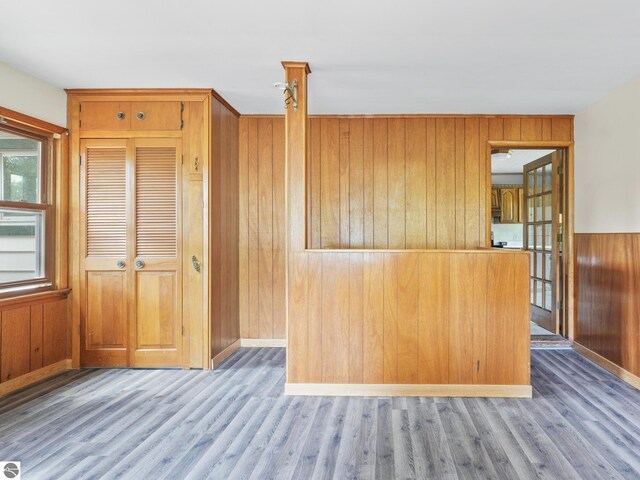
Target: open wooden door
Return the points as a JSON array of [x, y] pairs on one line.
[[542, 228]]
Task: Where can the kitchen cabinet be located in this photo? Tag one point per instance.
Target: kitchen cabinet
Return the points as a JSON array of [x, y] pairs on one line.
[[507, 204]]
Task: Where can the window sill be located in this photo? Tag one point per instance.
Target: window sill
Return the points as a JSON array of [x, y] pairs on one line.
[[22, 298]]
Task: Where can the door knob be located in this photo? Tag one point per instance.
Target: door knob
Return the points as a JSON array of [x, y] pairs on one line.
[[140, 115], [120, 264], [120, 115], [140, 263]]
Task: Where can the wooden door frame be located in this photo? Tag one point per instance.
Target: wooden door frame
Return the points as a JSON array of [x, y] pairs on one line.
[[568, 313]]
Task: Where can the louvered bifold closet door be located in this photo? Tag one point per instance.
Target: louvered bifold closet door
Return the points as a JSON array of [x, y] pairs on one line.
[[157, 330], [104, 281]]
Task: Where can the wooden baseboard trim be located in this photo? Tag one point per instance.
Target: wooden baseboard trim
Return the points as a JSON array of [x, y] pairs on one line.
[[402, 390], [608, 365], [32, 377], [264, 342], [226, 353]]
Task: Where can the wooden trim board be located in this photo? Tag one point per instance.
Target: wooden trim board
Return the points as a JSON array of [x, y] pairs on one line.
[[226, 353], [32, 377], [264, 342], [407, 390], [608, 365]]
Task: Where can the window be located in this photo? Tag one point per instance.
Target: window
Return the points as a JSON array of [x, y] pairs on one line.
[[25, 210]]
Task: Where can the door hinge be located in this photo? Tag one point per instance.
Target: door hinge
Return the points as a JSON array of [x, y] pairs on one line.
[[80, 157], [80, 107], [181, 124], [559, 169], [559, 238], [80, 123], [181, 107], [182, 330], [182, 160]]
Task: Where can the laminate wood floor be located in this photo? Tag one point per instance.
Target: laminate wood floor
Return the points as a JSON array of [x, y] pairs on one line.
[[235, 422]]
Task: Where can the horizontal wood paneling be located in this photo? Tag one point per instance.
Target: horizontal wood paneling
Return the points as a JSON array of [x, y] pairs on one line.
[[608, 296], [409, 317], [372, 182]]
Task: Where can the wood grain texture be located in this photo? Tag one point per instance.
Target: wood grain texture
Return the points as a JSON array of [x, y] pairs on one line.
[[182, 423], [608, 296], [262, 228], [417, 182], [409, 317], [224, 217]]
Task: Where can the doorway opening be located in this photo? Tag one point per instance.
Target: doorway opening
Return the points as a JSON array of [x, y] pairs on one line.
[[527, 206]]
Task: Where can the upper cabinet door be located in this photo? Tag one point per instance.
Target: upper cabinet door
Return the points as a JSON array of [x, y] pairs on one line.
[[156, 116], [509, 205], [105, 116]]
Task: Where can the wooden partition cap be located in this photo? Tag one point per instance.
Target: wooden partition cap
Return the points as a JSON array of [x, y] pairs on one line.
[[304, 65]]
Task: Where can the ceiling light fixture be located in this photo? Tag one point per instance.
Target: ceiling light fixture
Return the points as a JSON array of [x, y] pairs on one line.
[[509, 154], [290, 92]]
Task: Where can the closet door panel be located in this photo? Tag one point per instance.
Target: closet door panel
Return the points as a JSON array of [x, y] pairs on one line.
[[105, 115], [104, 321], [156, 270]]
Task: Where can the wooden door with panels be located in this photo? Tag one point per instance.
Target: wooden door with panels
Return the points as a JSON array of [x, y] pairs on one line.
[[131, 275], [542, 236]]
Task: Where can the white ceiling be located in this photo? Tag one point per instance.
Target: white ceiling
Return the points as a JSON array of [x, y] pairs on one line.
[[503, 163], [406, 56]]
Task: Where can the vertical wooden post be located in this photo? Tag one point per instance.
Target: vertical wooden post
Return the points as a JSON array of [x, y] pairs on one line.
[[295, 177], [296, 155]]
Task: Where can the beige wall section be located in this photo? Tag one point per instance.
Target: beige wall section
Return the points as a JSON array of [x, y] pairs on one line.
[[29, 95], [607, 171]]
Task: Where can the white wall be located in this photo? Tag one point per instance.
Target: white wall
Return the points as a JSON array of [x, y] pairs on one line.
[[31, 96], [607, 163]]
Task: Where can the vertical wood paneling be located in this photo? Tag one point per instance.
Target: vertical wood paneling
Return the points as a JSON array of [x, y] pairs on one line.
[[298, 318], [396, 200], [356, 183], [460, 185], [315, 314], [330, 183], [512, 128], [279, 232], [409, 317], [474, 183], [382, 182], [433, 333], [373, 309], [608, 296], [431, 183], [416, 180], [445, 183], [368, 182], [408, 266], [380, 171], [243, 225], [335, 318], [254, 228], [344, 182], [314, 183], [390, 295], [265, 231], [356, 316]]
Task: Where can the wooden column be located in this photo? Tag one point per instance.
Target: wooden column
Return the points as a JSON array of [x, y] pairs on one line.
[[296, 155], [295, 195]]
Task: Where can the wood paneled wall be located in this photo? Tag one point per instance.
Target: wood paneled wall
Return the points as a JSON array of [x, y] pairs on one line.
[[223, 243], [373, 182], [409, 317], [608, 296], [262, 228]]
